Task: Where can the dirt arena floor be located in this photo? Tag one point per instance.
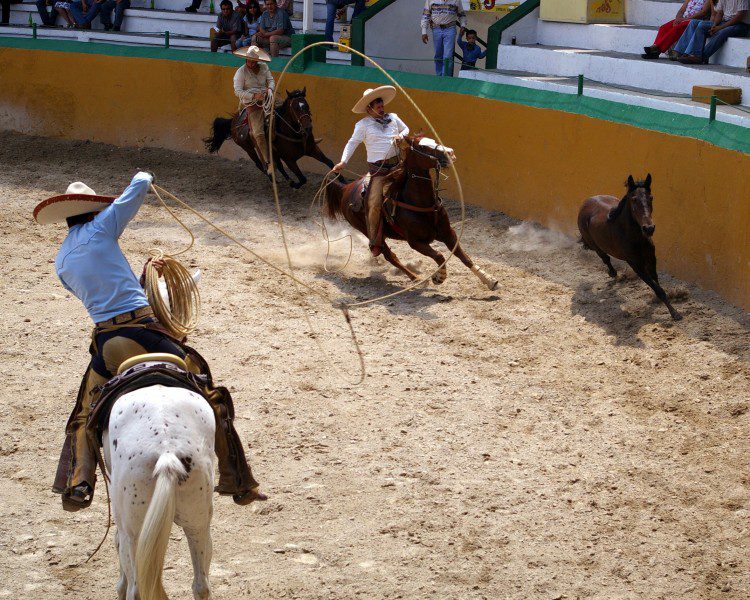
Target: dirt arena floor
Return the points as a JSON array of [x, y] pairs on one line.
[[557, 438]]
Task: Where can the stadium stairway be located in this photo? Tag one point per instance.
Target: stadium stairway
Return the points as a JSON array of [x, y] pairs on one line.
[[609, 57], [146, 26]]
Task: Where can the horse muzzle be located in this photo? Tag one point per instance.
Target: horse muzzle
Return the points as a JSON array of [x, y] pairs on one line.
[[648, 230]]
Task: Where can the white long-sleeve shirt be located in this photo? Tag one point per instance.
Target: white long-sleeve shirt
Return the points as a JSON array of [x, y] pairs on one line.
[[442, 12], [378, 138], [247, 83]]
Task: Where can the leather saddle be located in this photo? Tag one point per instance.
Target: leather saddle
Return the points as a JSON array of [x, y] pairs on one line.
[[146, 372]]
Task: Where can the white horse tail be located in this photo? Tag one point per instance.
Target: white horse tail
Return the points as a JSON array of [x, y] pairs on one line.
[[154, 536]]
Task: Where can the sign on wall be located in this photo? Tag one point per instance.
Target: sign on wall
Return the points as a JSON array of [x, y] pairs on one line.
[[495, 6]]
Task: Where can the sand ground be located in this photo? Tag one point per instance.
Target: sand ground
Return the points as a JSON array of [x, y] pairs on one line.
[[557, 438]]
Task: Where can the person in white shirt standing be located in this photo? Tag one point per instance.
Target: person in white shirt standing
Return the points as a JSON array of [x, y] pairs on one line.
[[254, 85], [441, 17], [379, 131]]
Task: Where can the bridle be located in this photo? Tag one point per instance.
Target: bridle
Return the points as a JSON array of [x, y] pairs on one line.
[[435, 165], [298, 132]]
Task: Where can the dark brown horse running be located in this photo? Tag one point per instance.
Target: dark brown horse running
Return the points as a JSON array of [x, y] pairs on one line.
[[418, 215], [623, 229], [293, 137]]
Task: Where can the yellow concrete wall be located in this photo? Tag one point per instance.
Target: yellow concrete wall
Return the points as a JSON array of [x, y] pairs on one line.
[[530, 163]]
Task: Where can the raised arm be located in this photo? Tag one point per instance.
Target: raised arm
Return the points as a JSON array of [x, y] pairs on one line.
[[117, 215]]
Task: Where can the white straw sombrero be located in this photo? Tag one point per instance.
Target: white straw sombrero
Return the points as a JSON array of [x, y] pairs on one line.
[[385, 92], [253, 53], [78, 199]]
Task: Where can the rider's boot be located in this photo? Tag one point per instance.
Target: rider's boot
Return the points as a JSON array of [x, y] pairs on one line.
[[262, 143]]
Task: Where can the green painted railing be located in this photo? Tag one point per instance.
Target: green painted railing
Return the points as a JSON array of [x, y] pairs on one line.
[[495, 31], [358, 28]]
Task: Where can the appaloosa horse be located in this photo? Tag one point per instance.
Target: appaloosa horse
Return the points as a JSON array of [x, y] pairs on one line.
[[293, 137], [417, 215], [623, 229], [159, 449]]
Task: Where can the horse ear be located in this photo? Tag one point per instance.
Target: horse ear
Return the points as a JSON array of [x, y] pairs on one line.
[[304, 90], [647, 183], [631, 182], [288, 94]]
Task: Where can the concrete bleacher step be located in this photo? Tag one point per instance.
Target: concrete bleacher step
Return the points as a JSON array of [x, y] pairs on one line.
[[629, 39], [145, 26], [621, 69]]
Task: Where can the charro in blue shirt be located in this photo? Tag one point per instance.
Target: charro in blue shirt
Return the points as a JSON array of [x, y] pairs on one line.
[[91, 264]]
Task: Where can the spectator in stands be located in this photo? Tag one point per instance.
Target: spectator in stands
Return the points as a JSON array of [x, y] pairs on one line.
[[441, 16], [274, 29], [728, 20], [337, 9], [85, 12], [48, 18], [472, 51], [250, 23], [63, 9], [670, 32], [105, 16], [5, 17], [228, 28]]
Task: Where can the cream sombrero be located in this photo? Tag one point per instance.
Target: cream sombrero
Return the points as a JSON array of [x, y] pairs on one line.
[[78, 199], [385, 92], [253, 53]]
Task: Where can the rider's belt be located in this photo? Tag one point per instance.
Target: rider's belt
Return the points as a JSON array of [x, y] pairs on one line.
[[383, 164], [139, 313], [446, 26]]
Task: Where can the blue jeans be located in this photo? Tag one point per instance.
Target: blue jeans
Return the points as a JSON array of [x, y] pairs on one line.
[[332, 6], [48, 18], [444, 41], [106, 13], [81, 18], [695, 40]]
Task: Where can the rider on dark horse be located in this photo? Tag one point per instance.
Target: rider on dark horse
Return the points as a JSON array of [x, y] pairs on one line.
[[253, 84], [380, 131], [91, 265]]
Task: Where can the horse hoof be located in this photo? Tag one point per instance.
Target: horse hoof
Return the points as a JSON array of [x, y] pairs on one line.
[[439, 278], [493, 285], [676, 316]]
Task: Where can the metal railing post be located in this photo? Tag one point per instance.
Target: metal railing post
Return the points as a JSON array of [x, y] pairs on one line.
[[33, 30], [447, 67], [580, 85], [166, 39], [712, 110]]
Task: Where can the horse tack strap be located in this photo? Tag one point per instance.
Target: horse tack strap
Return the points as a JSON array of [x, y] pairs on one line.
[[434, 208]]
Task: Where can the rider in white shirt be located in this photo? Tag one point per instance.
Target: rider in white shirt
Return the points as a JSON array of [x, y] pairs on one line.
[[379, 131]]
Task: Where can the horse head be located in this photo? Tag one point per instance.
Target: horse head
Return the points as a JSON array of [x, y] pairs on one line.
[[298, 108], [425, 153], [640, 203]]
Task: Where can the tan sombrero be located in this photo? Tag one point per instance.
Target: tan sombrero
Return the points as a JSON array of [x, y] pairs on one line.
[[385, 92], [78, 199], [253, 53]]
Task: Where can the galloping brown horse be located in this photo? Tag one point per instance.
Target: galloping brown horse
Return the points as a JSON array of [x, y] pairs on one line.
[[417, 215], [293, 137], [623, 229]]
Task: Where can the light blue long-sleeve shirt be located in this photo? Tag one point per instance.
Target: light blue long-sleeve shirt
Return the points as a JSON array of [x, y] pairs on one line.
[[91, 265]]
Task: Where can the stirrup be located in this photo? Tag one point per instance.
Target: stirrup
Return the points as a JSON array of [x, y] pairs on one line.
[[78, 498]]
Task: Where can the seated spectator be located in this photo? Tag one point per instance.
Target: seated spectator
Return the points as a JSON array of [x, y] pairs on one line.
[[441, 16], [727, 21], [85, 12], [274, 29], [228, 28], [337, 8], [250, 23], [194, 6], [671, 31], [5, 17], [48, 18], [105, 16], [472, 51], [63, 9]]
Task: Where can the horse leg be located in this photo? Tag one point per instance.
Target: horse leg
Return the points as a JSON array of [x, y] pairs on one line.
[[427, 250], [251, 152], [654, 285], [393, 259], [318, 155], [450, 239], [201, 549], [122, 584], [296, 170], [280, 167]]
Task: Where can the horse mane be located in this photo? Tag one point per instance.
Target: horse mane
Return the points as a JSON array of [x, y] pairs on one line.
[[617, 210]]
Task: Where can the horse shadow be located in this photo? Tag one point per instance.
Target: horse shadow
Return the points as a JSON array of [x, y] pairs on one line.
[[414, 303]]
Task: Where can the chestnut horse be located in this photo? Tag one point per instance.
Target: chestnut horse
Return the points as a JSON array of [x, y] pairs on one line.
[[418, 216], [293, 137], [623, 229]]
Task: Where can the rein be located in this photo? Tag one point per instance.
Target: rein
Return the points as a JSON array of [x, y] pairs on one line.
[[299, 134]]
